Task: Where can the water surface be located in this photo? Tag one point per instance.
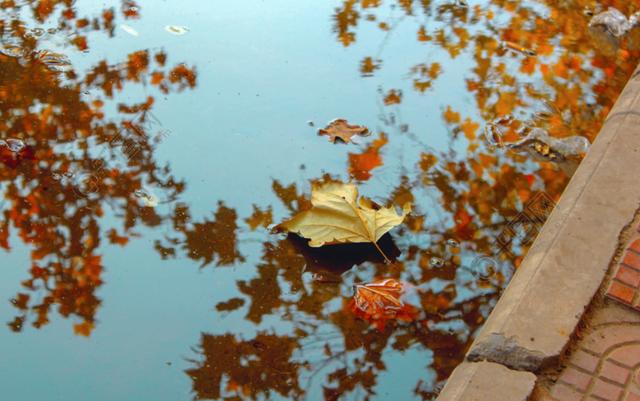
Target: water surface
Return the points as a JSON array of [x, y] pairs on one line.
[[160, 141]]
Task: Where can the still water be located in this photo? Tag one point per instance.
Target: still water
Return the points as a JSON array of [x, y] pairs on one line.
[[149, 147]]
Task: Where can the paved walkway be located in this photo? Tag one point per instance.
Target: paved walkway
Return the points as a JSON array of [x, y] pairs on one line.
[[605, 362]]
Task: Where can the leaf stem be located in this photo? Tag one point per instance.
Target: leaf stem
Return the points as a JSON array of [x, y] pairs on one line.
[[386, 259]]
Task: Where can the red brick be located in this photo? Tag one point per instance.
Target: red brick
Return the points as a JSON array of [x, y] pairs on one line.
[[585, 361], [578, 379], [635, 245], [565, 393], [606, 390], [632, 259], [632, 397], [621, 292], [629, 355], [614, 372], [628, 276]]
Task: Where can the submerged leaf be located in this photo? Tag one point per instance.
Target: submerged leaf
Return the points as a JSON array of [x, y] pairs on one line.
[[614, 22], [339, 216], [380, 298], [543, 146], [380, 301], [340, 130]]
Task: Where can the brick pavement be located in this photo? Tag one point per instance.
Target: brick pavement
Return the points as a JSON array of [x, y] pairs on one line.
[[625, 286], [605, 365]]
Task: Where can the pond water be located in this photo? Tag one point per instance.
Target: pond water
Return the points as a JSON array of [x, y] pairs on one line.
[[150, 147]]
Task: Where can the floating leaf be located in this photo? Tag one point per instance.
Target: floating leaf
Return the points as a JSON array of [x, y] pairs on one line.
[[340, 130], [515, 47], [131, 31], [338, 215], [176, 29]]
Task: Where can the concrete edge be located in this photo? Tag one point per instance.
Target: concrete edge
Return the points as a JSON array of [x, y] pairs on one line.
[[534, 321], [487, 381]]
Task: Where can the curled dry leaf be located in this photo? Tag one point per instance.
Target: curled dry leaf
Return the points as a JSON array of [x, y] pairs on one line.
[[341, 131], [338, 215], [515, 47], [380, 301]]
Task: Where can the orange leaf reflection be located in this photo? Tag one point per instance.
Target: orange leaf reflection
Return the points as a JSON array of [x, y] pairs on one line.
[[361, 164]]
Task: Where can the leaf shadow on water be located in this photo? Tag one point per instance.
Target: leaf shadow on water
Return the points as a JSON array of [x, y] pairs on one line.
[[329, 262]]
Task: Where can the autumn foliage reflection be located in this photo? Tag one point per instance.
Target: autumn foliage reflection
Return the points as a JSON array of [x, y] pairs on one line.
[[72, 164], [77, 165], [538, 62]]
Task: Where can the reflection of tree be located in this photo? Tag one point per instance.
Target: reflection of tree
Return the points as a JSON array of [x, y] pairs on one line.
[[566, 89], [208, 240], [57, 194], [349, 358], [74, 161], [259, 366]]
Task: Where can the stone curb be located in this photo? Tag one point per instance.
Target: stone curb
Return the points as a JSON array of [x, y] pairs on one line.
[[534, 319], [487, 381], [539, 312]]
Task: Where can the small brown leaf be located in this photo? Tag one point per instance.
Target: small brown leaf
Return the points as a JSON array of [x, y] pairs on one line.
[[340, 130]]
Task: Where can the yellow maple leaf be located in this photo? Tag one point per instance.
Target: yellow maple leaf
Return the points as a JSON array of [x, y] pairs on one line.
[[339, 215]]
